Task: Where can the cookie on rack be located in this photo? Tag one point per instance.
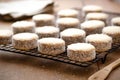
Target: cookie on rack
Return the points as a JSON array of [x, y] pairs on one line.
[[51, 46], [114, 32], [92, 26], [24, 41], [81, 52], [23, 26], [47, 31], [73, 35], [97, 16], [91, 8], [102, 42], [5, 37], [44, 20], [115, 21], [64, 23], [68, 13]]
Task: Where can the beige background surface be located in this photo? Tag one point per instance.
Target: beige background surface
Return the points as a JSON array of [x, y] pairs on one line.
[[20, 67]]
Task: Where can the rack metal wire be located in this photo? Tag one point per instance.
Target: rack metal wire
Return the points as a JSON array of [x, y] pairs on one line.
[[61, 57]]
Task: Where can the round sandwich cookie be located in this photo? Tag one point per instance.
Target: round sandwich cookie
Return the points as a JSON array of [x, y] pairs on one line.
[[73, 35], [64, 23], [102, 42], [81, 52], [68, 13], [5, 37], [115, 21], [97, 16], [114, 32], [51, 46], [44, 20], [92, 26], [47, 31], [25, 41], [91, 8], [23, 26]]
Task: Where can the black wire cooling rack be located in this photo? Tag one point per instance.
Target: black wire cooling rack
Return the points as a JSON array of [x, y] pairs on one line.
[[63, 57]]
